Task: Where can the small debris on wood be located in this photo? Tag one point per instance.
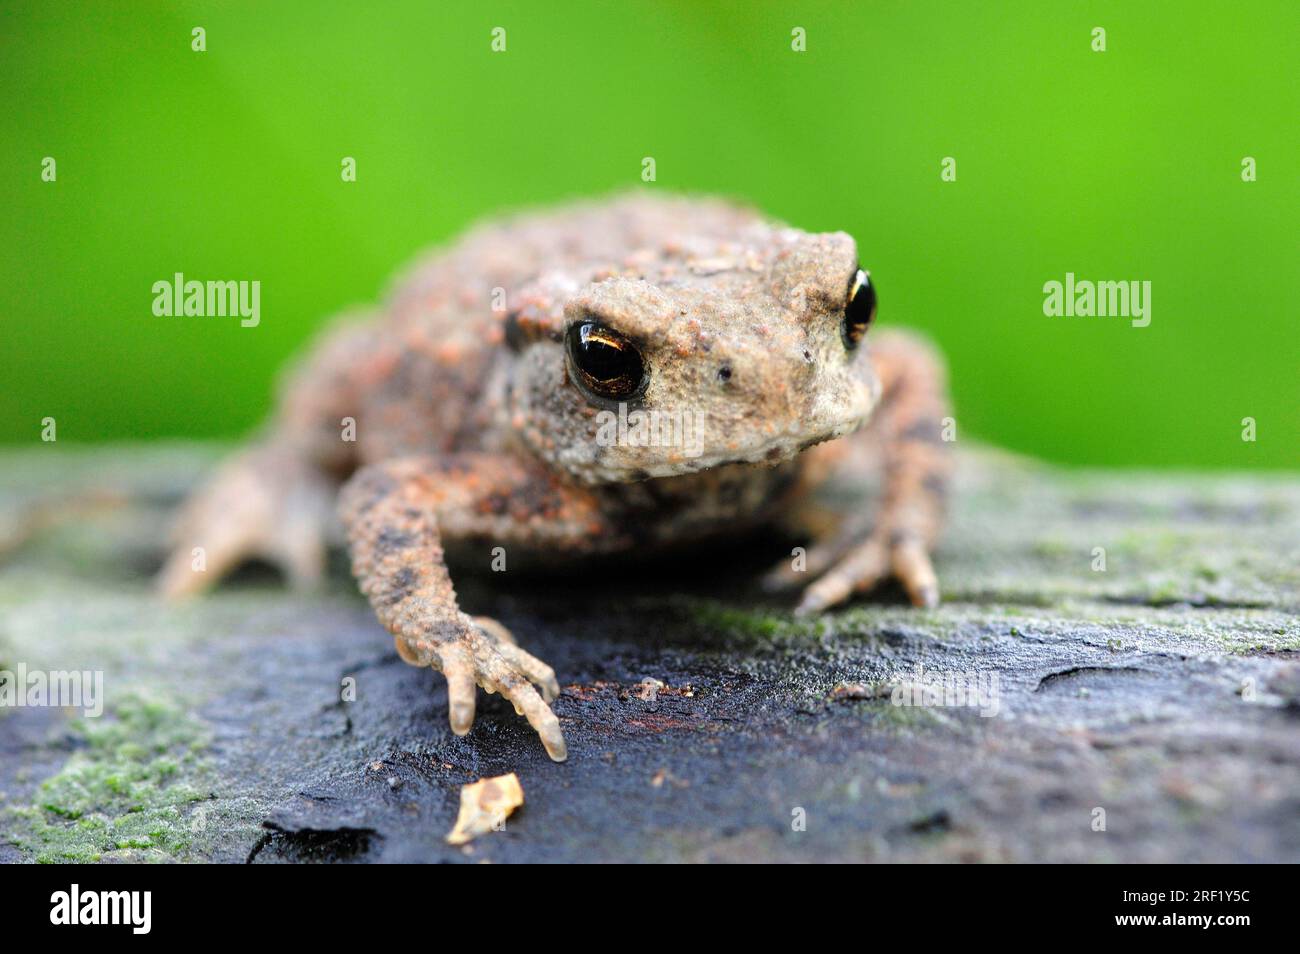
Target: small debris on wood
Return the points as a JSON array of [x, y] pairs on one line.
[[484, 806], [846, 691], [650, 689], [663, 775], [899, 789]]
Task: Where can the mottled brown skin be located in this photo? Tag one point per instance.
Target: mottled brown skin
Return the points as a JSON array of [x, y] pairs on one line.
[[470, 427]]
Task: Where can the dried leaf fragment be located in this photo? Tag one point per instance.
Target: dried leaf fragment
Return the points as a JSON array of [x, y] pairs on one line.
[[484, 807]]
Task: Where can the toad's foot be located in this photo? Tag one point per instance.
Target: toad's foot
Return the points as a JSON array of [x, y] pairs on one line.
[[262, 503], [496, 632], [917, 467], [884, 553], [392, 514], [479, 653]]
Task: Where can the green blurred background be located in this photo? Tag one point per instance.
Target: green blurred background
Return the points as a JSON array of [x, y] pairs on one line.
[[225, 165]]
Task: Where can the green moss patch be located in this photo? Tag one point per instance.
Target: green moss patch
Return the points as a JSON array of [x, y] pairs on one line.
[[126, 794]]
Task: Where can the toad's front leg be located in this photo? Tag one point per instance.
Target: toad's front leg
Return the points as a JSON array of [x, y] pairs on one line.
[[392, 514], [917, 467]]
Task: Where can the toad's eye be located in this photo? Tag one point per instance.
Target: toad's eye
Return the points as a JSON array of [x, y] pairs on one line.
[[861, 309], [603, 363]]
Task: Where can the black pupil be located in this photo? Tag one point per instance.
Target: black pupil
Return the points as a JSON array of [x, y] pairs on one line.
[[861, 309], [608, 363]]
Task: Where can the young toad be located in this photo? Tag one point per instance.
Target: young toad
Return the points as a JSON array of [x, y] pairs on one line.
[[622, 375]]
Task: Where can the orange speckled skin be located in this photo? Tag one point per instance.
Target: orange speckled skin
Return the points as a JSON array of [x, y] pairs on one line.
[[469, 426]]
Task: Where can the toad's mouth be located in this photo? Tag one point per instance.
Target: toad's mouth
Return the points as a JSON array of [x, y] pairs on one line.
[[775, 450]]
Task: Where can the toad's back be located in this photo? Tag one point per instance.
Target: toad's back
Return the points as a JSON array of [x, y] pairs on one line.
[[434, 358]]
